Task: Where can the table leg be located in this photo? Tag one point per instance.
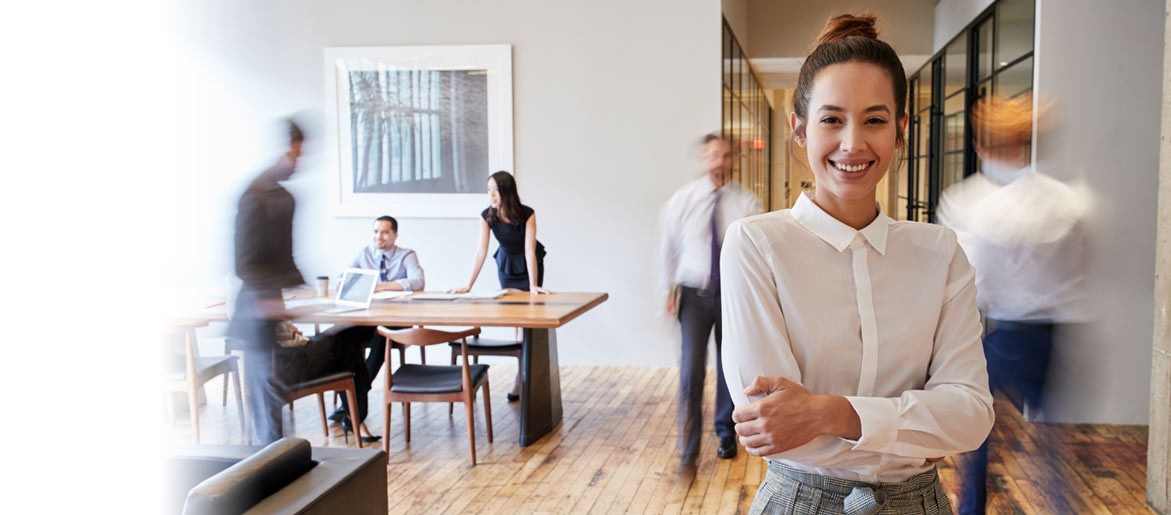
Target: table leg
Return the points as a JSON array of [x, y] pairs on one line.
[[540, 398]]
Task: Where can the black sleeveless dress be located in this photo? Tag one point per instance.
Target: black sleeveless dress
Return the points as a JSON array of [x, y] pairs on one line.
[[510, 257]]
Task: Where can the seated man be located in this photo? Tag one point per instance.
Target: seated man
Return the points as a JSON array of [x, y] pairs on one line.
[[399, 270]]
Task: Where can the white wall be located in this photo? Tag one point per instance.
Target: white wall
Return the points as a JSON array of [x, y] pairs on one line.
[[1108, 88], [608, 97], [951, 16]]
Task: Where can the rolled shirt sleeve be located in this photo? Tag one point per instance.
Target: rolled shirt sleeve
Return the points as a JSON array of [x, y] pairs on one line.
[[755, 335], [953, 412], [414, 280]]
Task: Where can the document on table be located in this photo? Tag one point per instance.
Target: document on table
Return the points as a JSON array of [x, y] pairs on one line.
[[384, 295], [434, 296], [480, 295]]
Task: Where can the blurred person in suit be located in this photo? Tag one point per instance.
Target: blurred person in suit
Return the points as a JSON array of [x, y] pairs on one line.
[[1022, 231], [693, 223], [275, 354]]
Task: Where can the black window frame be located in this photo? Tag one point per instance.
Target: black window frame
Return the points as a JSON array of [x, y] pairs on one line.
[[975, 88], [742, 93]]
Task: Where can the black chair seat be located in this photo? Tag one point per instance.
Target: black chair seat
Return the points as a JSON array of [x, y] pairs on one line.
[[204, 367], [320, 381], [486, 345], [435, 379]]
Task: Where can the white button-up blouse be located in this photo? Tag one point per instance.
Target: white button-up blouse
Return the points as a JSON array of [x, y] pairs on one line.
[[885, 317]]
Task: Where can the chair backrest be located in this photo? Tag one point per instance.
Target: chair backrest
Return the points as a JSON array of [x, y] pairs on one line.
[[423, 336]]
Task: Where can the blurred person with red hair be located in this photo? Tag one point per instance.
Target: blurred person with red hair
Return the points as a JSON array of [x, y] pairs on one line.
[[1022, 232]]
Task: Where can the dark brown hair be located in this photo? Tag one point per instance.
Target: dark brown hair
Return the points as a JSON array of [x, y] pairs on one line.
[[388, 218], [509, 200], [846, 38], [708, 138], [296, 135]]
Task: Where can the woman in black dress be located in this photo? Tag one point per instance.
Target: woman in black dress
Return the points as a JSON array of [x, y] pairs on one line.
[[520, 259]]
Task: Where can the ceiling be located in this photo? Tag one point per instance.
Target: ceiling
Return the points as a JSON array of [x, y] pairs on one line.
[[777, 35], [781, 72]]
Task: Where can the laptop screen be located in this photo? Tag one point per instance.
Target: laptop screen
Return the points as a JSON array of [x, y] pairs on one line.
[[356, 287]]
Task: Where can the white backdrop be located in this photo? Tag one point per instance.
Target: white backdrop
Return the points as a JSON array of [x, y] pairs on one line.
[[605, 112]]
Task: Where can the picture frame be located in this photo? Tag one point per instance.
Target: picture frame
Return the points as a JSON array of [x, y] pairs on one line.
[[415, 131]]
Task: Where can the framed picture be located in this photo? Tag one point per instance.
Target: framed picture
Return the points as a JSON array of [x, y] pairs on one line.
[[415, 131]]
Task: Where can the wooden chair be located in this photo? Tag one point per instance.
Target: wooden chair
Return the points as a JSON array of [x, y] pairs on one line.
[[191, 376], [339, 383], [484, 347], [434, 383], [336, 382]]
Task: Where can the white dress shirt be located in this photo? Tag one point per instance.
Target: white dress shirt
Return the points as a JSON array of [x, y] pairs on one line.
[[885, 317], [686, 228], [1022, 231]]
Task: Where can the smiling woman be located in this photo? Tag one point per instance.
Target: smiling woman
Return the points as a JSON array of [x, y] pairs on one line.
[[859, 112], [851, 385]]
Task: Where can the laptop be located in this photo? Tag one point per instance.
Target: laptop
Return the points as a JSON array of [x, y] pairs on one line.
[[355, 292]]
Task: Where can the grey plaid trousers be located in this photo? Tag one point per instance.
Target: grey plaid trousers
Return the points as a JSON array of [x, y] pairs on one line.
[[786, 490]]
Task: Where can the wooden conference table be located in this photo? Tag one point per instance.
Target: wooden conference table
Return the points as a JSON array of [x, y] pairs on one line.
[[538, 315]]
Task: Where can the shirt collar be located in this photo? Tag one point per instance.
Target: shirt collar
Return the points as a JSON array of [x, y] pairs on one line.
[[388, 252], [836, 233], [705, 186], [1002, 174]]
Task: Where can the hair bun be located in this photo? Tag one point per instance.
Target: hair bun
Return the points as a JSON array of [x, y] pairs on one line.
[[843, 26]]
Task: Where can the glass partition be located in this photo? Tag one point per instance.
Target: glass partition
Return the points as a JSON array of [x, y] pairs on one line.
[[943, 91], [747, 121]]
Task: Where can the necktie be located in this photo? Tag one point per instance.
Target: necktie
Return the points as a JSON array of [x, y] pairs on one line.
[[714, 276], [383, 268]]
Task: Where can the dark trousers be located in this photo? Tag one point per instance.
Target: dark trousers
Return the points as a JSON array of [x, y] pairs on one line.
[[1018, 361], [699, 314], [369, 336], [338, 349], [271, 369]]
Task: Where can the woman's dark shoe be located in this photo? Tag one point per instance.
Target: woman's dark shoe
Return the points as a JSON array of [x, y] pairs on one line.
[[512, 398], [337, 415], [347, 427]]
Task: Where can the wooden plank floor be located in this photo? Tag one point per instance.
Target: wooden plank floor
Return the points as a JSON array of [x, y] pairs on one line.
[[614, 452]]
